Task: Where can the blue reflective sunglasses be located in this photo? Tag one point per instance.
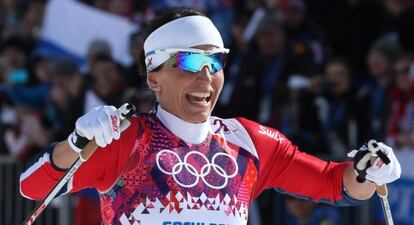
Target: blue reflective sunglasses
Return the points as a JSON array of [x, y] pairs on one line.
[[194, 60]]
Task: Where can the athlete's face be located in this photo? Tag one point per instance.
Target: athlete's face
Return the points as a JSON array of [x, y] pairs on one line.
[[189, 96]]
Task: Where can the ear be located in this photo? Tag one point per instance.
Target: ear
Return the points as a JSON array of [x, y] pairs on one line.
[[153, 80]]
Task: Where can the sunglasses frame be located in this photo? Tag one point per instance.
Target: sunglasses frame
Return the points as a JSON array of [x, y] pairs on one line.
[[173, 52], [195, 50]]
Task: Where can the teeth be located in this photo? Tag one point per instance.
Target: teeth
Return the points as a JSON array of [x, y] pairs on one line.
[[200, 94]]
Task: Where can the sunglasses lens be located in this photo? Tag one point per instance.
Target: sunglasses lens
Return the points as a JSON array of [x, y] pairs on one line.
[[194, 62], [219, 61]]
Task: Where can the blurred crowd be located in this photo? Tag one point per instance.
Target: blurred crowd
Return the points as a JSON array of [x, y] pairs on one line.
[[328, 74]]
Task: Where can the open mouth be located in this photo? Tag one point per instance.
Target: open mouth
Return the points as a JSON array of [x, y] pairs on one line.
[[199, 98]]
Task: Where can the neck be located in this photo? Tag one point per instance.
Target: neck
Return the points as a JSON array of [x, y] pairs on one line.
[[193, 133]]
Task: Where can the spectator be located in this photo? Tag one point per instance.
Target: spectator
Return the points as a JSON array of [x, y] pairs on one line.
[[400, 20], [13, 60], [26, 136], [96, 48], [256, 81], [346, 114], [24, 95], [40, 68], [401, 127], [299, 114], [10, 17], [32, 20], [306, 38], [67, 98], [380, 60], [106, 86], [350, 27], [30, 86], [237, 57], [134, 78]]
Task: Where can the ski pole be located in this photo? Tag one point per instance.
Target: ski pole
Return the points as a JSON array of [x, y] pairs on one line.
[[126, 111]]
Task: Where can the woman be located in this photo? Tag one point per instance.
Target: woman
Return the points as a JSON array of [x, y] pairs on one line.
[[181, 165]]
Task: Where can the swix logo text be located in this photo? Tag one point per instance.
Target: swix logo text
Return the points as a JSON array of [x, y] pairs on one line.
[[270, 133], [380, 164], [114, 121]]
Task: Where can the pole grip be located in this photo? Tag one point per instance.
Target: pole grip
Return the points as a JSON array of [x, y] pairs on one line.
[[125, 112], [382, 191]]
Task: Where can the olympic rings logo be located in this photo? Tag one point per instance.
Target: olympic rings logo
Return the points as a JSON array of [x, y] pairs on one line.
[[205, 170]]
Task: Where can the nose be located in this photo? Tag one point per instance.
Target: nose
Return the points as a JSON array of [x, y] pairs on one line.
[[204, 74]]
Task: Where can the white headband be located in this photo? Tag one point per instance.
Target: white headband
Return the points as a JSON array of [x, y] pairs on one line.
[[184, 32]]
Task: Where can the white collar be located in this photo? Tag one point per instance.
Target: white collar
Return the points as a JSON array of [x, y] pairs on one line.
[[193, 133]]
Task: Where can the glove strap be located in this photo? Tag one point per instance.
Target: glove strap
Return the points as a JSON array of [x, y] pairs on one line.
[[77, 142]]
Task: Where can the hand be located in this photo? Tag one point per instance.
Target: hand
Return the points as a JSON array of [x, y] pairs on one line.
[[102, 124], [377, 172]]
